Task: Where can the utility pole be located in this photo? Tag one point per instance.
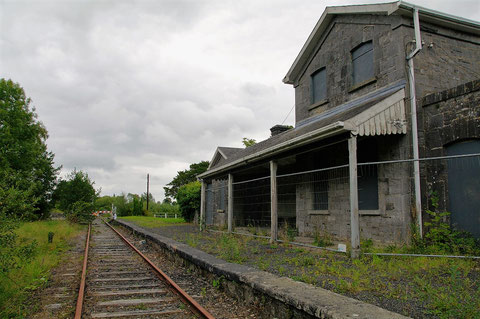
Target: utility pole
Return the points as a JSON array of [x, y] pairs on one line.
[[148, 187]]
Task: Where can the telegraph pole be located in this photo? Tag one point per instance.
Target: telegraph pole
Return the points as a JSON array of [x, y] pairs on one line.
[[148, 187]]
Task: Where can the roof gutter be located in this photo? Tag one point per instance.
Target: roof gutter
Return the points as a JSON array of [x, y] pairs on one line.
[[321, 133]]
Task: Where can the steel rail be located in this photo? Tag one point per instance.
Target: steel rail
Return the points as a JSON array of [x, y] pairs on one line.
[[81, 291], [183, 295]]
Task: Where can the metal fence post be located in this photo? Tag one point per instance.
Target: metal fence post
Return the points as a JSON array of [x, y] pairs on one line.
[[230, 203], [274, 203], [352, 165]]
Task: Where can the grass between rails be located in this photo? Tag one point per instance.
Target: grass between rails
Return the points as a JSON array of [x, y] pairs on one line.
[[153, 222], [414, 286], [17, 285]]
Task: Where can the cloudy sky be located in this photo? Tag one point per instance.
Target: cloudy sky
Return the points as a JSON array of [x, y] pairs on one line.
[[127, 88]]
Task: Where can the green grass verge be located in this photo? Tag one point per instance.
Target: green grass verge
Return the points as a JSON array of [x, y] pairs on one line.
[[17, 285], [153, 222]]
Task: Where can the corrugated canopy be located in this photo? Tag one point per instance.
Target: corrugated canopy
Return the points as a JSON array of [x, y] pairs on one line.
[[381, 112]]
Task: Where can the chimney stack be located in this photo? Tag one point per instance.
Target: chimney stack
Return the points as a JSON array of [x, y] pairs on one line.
[[277, 129]]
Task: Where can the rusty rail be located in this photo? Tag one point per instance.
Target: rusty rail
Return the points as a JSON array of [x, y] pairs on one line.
[[81, 291], [183, 295]]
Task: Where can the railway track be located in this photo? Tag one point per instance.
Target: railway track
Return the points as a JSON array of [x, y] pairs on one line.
[[121, 282]]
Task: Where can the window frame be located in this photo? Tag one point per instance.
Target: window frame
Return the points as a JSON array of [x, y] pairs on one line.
[[357, 80], [321, 72]]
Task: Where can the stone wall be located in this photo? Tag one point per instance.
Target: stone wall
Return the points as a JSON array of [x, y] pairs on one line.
[[390, 223], [447, 116], [333, 52], [445, 52]]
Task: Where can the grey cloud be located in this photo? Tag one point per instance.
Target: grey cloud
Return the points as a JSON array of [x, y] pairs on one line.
[[130, 87]]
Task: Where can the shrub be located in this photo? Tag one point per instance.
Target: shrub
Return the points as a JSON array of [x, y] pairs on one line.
[[12, 253], [81, 212], [440, 237], [188, 198]]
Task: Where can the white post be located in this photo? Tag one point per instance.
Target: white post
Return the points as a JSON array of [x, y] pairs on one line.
[[175, 216], [273, 200], [230, 203], [354, 225], [165, 215], [413, 111], [202, 206]]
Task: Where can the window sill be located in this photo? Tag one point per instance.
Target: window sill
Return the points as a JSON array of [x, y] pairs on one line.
[[318, 212], [318, 104], [375, 212], [362, 84]]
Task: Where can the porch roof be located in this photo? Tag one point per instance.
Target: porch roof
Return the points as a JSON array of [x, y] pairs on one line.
[[381, 112]]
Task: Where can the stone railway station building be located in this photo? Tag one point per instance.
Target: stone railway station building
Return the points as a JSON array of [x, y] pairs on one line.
[[348, 167]]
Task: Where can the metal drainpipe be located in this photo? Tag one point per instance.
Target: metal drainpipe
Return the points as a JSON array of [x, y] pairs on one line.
[[413, 110]]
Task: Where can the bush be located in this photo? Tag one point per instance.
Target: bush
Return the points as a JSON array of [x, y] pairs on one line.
[[441, 238], [12, 253], [188, 198], [81, 212]]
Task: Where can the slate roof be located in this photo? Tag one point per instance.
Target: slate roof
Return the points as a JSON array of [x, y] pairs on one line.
[[302, 134], [222, 154]]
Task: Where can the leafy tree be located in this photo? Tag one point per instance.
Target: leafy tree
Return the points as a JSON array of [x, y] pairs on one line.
[[151, 199], [122, 205], [188, 198], [137, 205], [104, 202], [184, 177], [81, 212], [248, 141], [76, 188], [26, 167]]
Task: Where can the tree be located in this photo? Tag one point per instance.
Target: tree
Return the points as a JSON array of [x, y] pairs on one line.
[[81, 212], [188, 198], [26, 167], [76, 188], [184, 177], [104, 202], [248, 141]]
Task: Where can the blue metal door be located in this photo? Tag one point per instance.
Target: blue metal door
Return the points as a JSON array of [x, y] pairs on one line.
[[464, 187]]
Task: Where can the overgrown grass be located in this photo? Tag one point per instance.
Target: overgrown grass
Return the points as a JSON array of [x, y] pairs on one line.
[[153, 222], [442, 287], [17, 285]]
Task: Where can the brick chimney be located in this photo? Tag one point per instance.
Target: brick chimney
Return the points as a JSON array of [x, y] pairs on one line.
[[277, 129]]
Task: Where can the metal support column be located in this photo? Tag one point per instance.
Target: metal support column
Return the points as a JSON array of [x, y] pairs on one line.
[[274, 202], [352, 165], [230, 203], [202, 207]]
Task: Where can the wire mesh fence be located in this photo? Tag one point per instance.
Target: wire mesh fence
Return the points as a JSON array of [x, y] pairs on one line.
[[316, 203], [252, 203], [216, 200]]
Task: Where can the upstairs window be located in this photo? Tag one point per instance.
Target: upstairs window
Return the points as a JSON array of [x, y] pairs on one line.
[[319, 85], [362, 60]]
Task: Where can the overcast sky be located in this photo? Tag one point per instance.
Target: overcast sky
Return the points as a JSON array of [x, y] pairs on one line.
[[127, 88]]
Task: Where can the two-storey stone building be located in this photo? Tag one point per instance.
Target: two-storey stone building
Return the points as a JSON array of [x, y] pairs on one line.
[[357, 78]]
